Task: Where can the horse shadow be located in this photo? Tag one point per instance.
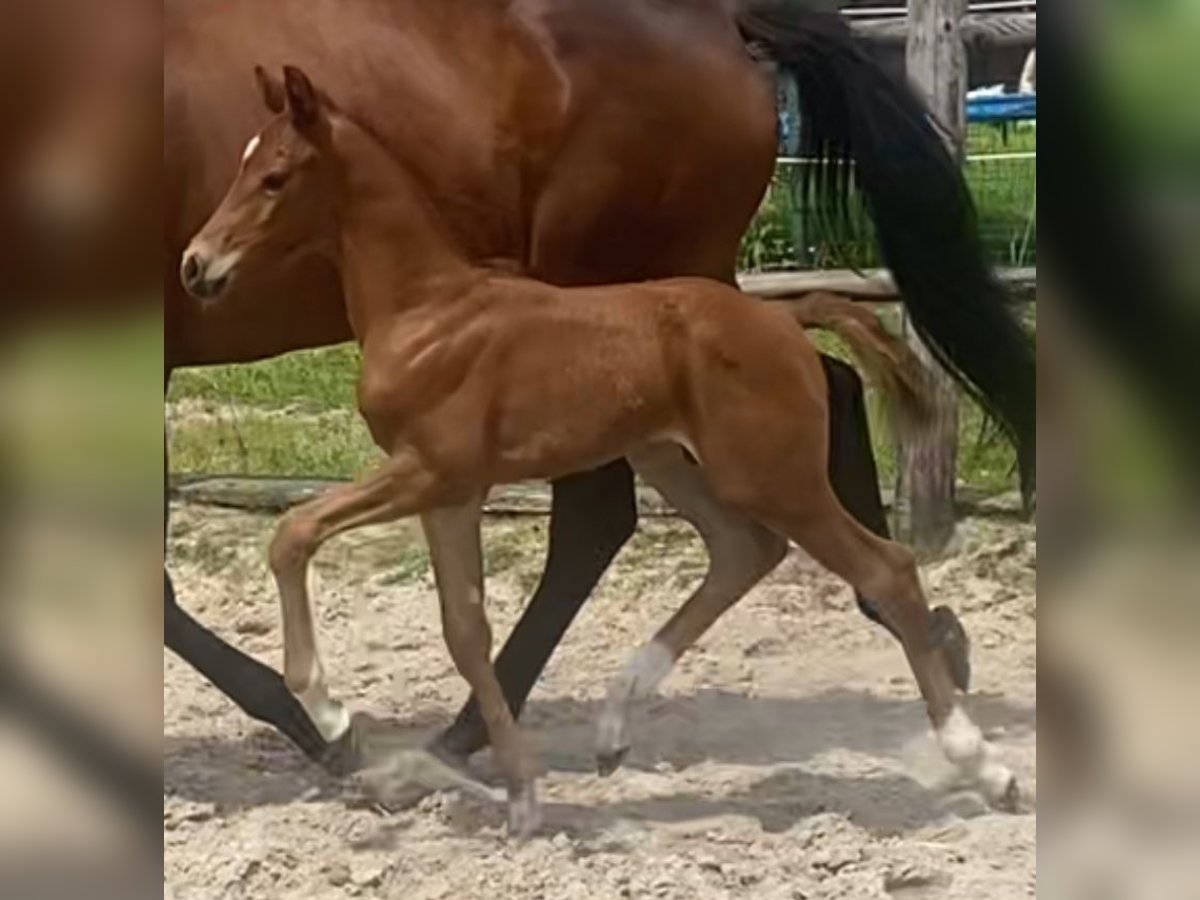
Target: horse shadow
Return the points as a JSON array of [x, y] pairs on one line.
[[671, 735]]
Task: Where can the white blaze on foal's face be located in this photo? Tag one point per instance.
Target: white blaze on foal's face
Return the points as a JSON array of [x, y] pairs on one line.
[[251, 146]]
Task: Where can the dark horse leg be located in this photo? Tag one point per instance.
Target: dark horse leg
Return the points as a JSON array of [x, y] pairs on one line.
[[256, 688], [73, 736], [856, 482], [594, 514], [852, 469]]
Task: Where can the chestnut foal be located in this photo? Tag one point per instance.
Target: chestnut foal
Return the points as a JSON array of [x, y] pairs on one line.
[[473, 378]]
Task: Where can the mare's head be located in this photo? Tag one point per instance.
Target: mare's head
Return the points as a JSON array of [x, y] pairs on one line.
[[282, 203]]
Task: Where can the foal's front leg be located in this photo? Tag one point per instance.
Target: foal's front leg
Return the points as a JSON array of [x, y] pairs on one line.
[[454, 549], [398, 488]]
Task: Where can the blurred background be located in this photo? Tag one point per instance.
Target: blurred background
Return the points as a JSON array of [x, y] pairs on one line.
[[80, 448], [81, 425]]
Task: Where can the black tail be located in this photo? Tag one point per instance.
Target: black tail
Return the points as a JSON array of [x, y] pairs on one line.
[[923, 213]]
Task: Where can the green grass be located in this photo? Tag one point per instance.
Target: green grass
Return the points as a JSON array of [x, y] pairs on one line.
[[247, 440], [1004, 192], [313, 381], [291, 415]]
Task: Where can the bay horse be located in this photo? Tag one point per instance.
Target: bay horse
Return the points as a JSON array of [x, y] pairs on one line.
[[577, 189], [659, 138], [474, 377], [573, 185]]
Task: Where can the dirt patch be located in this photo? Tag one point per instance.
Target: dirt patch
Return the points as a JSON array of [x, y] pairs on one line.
[[789, 756]]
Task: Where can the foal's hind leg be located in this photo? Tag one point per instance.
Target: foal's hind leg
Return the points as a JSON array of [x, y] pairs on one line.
[[454, 545], [887, 572], [741, 552]]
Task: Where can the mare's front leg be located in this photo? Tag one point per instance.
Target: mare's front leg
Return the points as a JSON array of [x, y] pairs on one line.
[[257, 689], [400, 487], [593, 514], [454, 549]]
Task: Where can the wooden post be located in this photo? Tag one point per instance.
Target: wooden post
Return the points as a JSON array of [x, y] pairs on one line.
[[936, 61]]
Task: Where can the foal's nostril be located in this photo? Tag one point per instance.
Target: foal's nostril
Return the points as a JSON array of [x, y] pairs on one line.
[[191, 270]]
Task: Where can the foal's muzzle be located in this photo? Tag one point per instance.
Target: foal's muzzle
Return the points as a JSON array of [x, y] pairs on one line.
[[202, 276]]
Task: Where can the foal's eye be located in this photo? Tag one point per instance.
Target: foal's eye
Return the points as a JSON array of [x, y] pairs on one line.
[[273, 182]]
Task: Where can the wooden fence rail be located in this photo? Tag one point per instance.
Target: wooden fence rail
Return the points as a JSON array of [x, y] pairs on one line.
[[274, 494], [868, 286]]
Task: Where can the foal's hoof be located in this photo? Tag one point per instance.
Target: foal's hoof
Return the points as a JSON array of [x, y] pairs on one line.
[[608, 761], [947, 632], [1007, 796], [410, 773], [367, 743], [524, 811], [348, 754], [612, 739]]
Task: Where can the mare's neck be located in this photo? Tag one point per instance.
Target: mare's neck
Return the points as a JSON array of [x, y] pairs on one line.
[[394, 252]]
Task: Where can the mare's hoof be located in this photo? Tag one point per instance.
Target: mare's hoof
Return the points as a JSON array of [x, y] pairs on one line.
[[524, 812], [608, 761], [947, 632]]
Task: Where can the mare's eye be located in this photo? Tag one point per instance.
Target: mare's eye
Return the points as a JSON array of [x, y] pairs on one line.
[[273, 182]]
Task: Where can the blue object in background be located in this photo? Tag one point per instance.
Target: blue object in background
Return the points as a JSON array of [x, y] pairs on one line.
[[1002, 108]]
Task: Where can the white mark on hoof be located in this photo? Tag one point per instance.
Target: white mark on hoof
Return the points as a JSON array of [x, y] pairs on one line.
[[251, 147], [524, 811], [961, 739], [640, 678], [999, 786], [331, 718], [645, 672], [963, 743]]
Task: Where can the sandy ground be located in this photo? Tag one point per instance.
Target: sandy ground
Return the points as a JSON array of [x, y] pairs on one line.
[[788, 758]]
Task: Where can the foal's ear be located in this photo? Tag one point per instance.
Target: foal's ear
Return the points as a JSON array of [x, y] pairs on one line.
[[302, 100], [271, 90]]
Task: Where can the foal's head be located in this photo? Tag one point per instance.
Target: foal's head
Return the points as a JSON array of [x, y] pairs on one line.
[[282, 202]]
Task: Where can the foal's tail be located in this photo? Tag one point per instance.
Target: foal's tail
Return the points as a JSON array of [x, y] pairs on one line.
[[888, 361], [924, 217]]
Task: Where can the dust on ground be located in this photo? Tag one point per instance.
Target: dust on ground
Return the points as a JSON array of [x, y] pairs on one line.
[[788, 757]]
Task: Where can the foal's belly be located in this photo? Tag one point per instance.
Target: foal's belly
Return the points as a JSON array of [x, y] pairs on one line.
[[575, 421]]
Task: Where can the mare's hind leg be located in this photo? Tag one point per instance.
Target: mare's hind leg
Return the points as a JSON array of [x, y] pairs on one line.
[[741, 553], [855, 480], [398, 488], [457, 558]]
